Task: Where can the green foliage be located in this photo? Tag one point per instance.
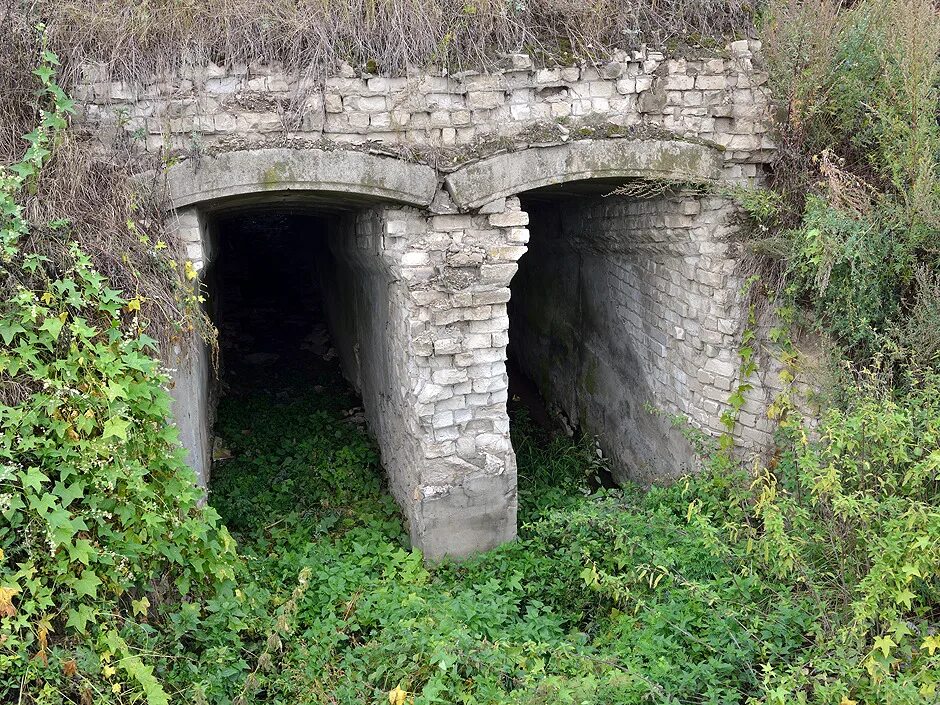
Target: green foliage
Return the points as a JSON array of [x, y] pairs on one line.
[[606, 597], [846, 512], [852, 271], [858, 180], [848, 509], [717, 589], [101, 533], [849, 514]]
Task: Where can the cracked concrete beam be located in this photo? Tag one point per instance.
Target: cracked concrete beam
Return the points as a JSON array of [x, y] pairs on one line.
[[269, 171]]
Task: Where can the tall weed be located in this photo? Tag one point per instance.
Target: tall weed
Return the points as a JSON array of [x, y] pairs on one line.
[[858, 167]]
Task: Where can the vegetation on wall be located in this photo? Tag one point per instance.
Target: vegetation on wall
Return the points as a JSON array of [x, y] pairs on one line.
[[814, 578], [856, 189], [386, 36]]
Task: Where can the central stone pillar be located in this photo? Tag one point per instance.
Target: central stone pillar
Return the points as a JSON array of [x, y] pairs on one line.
[[438, 408], [458, 276]]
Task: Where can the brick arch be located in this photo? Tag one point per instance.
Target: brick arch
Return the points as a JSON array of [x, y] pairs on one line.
[[342, 173], [495, 177]]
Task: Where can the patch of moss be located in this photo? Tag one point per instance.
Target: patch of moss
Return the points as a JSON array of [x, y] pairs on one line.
[[274, 176], [589, 376]]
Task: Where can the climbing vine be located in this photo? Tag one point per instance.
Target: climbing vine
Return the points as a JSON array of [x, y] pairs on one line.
[[102, 537]]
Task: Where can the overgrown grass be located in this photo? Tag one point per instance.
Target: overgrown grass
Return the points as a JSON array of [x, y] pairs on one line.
[[84, 194], [386, 36], [817, 584], [606, 597]]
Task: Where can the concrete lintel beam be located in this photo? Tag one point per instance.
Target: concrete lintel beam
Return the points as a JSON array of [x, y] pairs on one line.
[[278, 170], [504, 175]]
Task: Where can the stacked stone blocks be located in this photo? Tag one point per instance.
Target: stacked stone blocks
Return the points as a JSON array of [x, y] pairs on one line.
[[423, 287], [722, 100]]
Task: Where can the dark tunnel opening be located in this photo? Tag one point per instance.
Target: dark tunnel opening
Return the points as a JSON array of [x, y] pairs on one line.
[[596, 315], [530, 382], [548, 360], [266, 297], [281, 404], [579, 322]]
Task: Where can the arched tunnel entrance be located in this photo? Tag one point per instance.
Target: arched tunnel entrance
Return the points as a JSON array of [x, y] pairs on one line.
[[298, 291], [282, 410], [265, 294], [593, 318], [306, 285], [610, 305]]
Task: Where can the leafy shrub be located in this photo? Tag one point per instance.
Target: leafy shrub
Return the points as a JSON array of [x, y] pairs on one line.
[[611, 596], [102, 539], [857, 175], [846, 512], [850, 518], [852, 271]]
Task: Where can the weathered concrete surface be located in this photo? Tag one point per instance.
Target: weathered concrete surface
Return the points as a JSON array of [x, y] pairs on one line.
[[503, 175], [477, 514], [192, 410], [272, 170], [622, 304], [192, 376]]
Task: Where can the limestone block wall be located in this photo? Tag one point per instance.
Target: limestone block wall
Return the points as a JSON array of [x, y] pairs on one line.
[[367, 312], [458, 271], [417, 308], [625, 305], [720, 98]]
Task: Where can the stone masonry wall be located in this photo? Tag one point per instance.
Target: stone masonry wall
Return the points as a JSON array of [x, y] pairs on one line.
[[421, 284], [623, 304], [367, 312], [721, 99], [458, 271], [426, 352]]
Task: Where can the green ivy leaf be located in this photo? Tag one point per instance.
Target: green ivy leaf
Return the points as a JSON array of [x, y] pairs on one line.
[[45, 73], [33, 479], [9, 329], [81, 329], [140, 606], [53, 326], [115, 390], [904, 597], [87, 585], [69, 493], [884, 644], [79, 617], [116, 427], [81, 551], [62, 527]]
